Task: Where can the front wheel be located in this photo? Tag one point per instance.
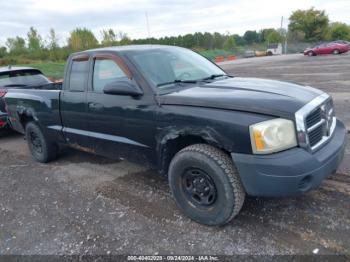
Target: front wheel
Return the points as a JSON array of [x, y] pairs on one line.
[[40, 147], [310, 53], [206, 185], [336, 52]]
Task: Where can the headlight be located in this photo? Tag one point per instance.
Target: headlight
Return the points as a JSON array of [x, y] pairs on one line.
[[272, 136]]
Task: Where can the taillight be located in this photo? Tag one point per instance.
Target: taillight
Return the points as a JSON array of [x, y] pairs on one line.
[[2, 123], [3, 92]]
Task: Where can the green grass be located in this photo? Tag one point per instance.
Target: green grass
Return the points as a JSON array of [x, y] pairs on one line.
[[50, 69], [238, 51], [211, 54]]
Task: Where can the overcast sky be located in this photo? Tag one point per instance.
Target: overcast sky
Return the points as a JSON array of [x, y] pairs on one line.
[[166, 17]]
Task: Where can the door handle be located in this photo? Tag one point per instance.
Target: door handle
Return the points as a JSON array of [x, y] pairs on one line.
[[95, 106]]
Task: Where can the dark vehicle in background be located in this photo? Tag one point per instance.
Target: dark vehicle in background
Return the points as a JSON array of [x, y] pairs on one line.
[[334, 48], [23, 78], [249, 54], [216, 137]]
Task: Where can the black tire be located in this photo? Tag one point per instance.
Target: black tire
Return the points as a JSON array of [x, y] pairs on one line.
[[4, 131], [310, 53], [40, 147], [336, 52], [204, 162], [269, 53]]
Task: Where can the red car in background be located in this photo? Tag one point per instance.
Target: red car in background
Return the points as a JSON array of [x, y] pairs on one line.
[[328, 48]]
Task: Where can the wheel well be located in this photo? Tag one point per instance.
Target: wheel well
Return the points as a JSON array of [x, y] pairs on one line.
[[175, 145], [24, 119]]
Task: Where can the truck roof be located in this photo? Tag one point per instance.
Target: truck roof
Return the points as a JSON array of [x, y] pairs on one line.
[[129, 48]]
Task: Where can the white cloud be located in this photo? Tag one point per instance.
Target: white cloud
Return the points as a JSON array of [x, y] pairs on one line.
[[166, 17]]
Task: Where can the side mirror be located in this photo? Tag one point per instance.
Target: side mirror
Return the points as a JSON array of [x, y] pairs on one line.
[[122, 87]]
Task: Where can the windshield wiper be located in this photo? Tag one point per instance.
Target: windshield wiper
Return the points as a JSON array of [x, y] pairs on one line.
[[214, 76], [176, 81], [15, 85]]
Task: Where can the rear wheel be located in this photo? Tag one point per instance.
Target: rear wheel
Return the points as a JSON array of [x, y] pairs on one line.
[[40, 147], [4, 131], [206, 185], [336, 52]]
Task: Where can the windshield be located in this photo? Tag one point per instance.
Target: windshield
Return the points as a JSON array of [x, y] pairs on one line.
[[272, 46], [22, 78], [165, 67]]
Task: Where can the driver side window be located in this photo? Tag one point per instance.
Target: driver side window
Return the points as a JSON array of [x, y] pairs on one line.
[[105, 72]]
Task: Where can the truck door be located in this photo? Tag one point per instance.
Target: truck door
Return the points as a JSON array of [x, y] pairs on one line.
[[73, 102], [119, 125]]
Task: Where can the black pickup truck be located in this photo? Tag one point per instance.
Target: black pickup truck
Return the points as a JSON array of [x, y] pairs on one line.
[[216, 137]]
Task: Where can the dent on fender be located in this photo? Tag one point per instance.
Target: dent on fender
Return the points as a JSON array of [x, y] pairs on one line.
[[173, 132]]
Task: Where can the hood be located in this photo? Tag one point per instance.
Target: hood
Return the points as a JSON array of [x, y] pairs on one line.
[[255, 95]]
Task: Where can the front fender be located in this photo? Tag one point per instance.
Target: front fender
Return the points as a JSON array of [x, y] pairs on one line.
[[225, 129]]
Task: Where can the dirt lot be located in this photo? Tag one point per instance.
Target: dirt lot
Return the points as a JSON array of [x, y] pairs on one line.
[[84, 204]]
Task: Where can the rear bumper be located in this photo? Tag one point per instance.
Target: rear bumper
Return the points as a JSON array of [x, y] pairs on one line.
[[293, 171]]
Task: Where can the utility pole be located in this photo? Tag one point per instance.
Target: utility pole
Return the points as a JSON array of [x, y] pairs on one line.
[[147, 23], [281, 23], [285, 40]]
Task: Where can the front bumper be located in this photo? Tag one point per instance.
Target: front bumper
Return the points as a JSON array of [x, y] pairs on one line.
[[293, 171]]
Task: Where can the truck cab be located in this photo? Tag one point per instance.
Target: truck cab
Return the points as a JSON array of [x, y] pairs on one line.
[[274, 49]]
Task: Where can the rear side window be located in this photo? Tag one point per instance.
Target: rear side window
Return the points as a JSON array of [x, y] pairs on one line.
[[78, 75], [106, 71], [22, 78]]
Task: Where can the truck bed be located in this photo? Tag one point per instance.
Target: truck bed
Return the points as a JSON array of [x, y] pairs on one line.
[[43, 104]]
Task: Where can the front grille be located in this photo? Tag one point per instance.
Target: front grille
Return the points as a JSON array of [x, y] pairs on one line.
[[319, 122], [313, 118], [315, 122], [315, 135]]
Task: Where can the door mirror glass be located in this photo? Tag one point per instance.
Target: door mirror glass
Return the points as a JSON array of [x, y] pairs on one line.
[[122, 87]]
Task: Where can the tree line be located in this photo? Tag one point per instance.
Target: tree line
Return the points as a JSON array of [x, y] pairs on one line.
[[309, 25]]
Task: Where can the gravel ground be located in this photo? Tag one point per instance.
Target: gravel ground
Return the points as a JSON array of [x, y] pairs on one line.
[[85, 204]]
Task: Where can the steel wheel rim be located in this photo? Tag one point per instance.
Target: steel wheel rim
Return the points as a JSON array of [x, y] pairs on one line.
[[198, 187]]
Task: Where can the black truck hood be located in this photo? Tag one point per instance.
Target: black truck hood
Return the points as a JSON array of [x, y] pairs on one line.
[[263, 96]]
